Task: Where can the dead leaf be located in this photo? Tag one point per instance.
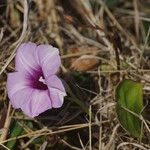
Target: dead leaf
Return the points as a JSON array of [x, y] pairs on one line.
[[84, 63]]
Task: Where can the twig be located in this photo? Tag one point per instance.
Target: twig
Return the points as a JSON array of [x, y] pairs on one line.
[[6, 125], [122, 71], [90, 129], [72, 147], [108, 146], [136, 18], [134, 144], [146, 41], [81, 143], [5, 147], [30, 141], [100, 105], [1, 34], [43, 146]]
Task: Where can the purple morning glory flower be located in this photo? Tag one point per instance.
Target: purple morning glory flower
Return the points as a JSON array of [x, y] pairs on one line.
[[34, 87]]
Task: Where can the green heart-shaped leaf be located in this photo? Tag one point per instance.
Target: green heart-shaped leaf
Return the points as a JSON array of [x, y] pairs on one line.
[[129, 99]]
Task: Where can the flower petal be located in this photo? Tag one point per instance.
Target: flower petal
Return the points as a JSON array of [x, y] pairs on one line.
[[57, 97], [20, 97], [25, 58], [56, 91], [48, 58], [16, 82], [54, 82], [38, 102]]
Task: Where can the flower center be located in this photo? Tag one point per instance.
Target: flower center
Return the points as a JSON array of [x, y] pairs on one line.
[[39, 83], [41, 79]]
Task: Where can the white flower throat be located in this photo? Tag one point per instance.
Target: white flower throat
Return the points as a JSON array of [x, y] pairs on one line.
[[41, 79]]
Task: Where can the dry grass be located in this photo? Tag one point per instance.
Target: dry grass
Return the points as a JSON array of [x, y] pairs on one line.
[[116, 36]]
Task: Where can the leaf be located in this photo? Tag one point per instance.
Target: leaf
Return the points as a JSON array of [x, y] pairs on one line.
[[129, 97], [85, 63], [16, 131]]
